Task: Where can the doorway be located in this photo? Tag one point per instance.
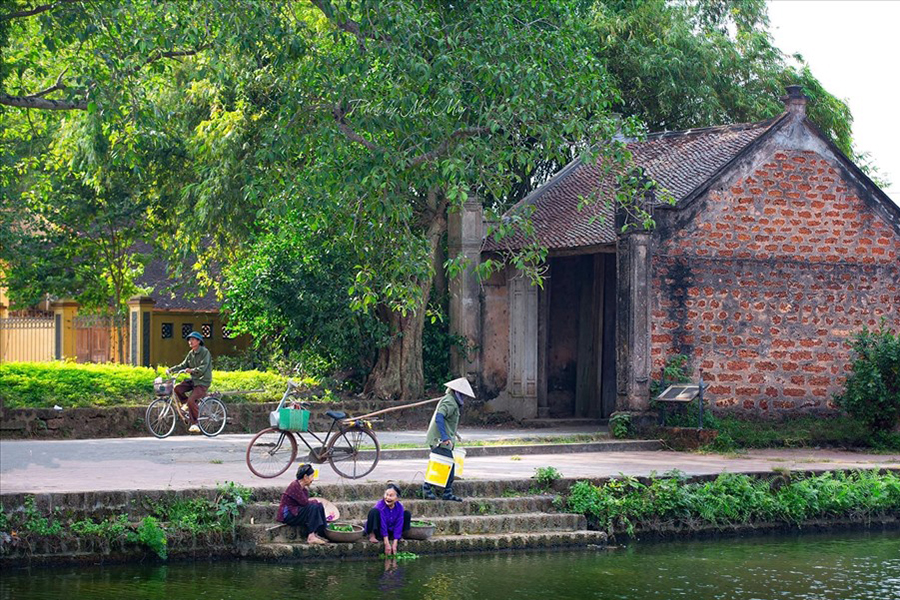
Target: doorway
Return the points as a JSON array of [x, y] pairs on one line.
[[580, 355]]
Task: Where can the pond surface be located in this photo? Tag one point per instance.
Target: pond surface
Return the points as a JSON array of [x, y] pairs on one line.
[[809, 567]]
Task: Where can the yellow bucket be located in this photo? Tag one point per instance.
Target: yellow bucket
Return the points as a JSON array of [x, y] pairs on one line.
[[438, 471], [459, 457]]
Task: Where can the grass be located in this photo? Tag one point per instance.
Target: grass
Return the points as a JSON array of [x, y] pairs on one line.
[[799, 431], [42, 385]]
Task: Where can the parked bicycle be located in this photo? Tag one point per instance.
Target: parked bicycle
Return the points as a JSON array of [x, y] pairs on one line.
[[350, 446], [165, 409]]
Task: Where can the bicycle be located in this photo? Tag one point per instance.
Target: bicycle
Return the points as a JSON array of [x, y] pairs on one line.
[[162, 412], [273, 450]]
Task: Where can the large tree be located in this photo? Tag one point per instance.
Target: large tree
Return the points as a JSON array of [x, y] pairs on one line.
[[379, 118]]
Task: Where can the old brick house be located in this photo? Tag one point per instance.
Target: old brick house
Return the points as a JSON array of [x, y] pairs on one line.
[[777, 250]]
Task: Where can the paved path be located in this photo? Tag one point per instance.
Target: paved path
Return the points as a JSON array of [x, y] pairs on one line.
[[182, 462]]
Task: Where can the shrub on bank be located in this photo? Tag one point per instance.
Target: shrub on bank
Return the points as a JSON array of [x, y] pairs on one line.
[[42, 385], [170, 518], [872, 391], [626, 504]]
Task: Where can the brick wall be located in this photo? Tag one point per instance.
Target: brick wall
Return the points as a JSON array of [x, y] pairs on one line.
[[763, 287]]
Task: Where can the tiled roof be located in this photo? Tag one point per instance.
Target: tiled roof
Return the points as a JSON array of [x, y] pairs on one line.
[[679, 162], [171, 295], [168, 293]]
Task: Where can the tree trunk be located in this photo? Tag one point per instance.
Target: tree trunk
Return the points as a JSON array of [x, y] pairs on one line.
[[398, 373]]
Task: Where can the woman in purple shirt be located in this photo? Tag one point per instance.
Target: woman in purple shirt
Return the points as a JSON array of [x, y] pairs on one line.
[[388, 520]]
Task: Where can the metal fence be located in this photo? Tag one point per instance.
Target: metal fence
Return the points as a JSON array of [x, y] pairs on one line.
[[27, 339]]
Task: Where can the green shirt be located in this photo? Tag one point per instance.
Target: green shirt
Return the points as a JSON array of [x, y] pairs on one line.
[[450, 409], [200, 361]]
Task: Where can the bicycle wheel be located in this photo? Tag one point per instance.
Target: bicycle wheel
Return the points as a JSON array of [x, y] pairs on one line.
[[212, 416], [271, 452], [160, 417], [349, 454]]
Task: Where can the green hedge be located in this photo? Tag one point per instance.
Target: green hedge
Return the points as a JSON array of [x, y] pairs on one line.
[[623, 505], [41, 385]]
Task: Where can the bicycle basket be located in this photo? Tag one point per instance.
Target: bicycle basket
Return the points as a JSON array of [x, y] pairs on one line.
[[293, 419], [163, 387]]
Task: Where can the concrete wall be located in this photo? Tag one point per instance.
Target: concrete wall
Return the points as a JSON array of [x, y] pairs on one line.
[[768, 274], [172, 350]]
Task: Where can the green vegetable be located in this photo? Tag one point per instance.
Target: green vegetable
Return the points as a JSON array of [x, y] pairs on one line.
[[401, 556], [344, 528], [420, 524]]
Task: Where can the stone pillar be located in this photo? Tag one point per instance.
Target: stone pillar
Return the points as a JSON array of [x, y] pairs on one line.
[[465, 233], [633, 256], [140, 313], [64, 312]]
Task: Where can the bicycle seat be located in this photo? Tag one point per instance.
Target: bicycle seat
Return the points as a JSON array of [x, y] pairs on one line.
[[336, 415]]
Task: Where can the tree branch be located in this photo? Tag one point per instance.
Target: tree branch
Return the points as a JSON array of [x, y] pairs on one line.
[[347, 25], [348, 131], [445, 145], [35, 11], [37, 101], [42, 103]]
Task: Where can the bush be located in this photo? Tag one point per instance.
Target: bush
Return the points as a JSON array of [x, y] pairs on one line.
[[41, 385], [622, 505], [872, 392]]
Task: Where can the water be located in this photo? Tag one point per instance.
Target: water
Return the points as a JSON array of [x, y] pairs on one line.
[[810, 567]]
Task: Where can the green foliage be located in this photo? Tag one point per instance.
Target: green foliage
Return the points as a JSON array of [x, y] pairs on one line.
[[152, 535], [36, 523], [437, 344], [625, 504], [231, 497], [620, 426], [872, 391], [797, 431], [674, 371], [289, 291], [546, 476], [109, 529], [41, 385], [697, 64]]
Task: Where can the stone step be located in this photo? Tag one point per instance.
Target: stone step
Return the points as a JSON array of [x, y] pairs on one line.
[[349, 490], [462, 525], [357, 510], [449, 544]]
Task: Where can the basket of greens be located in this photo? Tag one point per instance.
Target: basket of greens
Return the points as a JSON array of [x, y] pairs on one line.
[[419, 530], [343, 532]]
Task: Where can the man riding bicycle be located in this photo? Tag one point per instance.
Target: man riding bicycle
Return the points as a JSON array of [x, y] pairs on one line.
[[198, 363]]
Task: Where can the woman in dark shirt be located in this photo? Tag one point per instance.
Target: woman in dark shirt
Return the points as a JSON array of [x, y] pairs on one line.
[[296, 508]]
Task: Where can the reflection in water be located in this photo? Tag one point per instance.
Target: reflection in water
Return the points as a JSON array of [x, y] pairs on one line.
[[808, 567]]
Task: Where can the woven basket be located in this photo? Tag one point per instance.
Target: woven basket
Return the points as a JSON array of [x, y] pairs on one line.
[[163, 387]]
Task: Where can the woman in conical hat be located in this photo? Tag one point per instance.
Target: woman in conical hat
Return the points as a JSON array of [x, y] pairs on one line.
[[442, 430]]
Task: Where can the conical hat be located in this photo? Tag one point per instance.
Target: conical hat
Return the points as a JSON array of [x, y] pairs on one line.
[[461, 385]]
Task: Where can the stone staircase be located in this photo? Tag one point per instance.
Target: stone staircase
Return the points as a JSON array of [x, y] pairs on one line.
[[494, 516]]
